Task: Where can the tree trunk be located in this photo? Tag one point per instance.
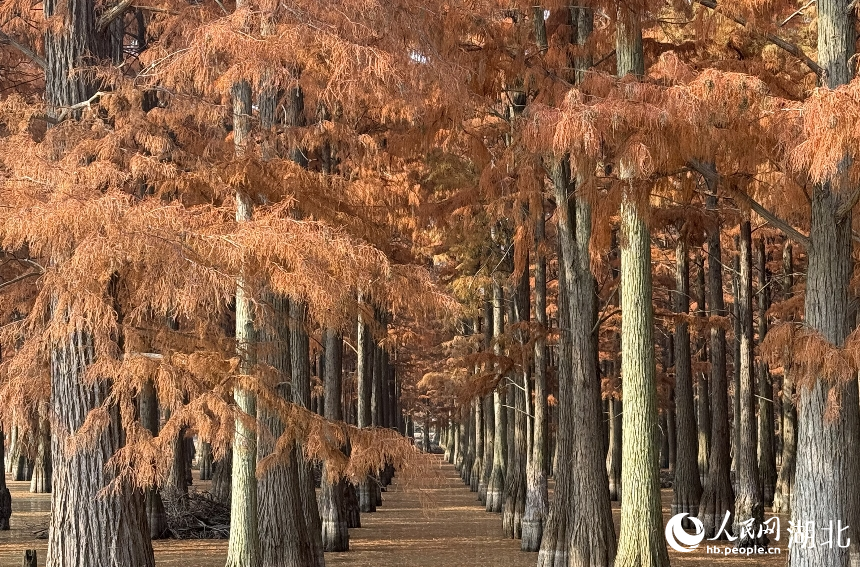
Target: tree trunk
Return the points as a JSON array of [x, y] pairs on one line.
[[579, 530], [284, 541], [364, 386], [148, 408], [40, 479], [785, 479], [487, 409], [749, 504], [78, 511], [703, 398], [243, 548], [827, 440], [718, 496], [222, 478], [515, 480], [613, 458], [687, 489], [537, 498], [205, 460], [5, 496], [641, 542], [301, 384], [335, 533], [766, 451], [496, 483]]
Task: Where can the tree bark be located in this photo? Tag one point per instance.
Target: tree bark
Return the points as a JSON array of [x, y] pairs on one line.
[[243, 547], [335, 533], [687, 489], [40, 479], [766, 451], [496, 483], [85, 528], [537, 497], [785, 479], [703, 398], [301, 389], [749, 504], [718, 496], [148, 408], [827, 444], [5, 495]]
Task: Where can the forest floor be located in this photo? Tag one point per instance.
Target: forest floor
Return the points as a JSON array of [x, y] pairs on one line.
[[442, 526]]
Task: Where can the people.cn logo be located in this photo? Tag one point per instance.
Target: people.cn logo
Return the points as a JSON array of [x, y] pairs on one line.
[[678, 539]]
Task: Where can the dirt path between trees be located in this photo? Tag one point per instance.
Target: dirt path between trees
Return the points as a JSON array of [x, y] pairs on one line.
[[442, 526]]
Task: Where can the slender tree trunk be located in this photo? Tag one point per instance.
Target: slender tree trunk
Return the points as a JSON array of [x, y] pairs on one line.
[[687, 487], [205, 460], [335, 535], [243, 548], [766, 451], [537, 498], [40, 479], [703, 398], [496, 483], [718, 496], [487, 410], [613, 457], [749, 504], [364, 379], [301, 384], [5, 496], [785, 479]]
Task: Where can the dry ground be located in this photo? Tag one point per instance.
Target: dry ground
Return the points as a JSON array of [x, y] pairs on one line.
[[443, 526]]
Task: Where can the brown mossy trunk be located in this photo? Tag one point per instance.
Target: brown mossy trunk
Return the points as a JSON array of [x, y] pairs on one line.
[[718, 496], [301, 384], [749, 504], [687, 488], [788, 461], [703, 397], [335, 533], [766, 435]]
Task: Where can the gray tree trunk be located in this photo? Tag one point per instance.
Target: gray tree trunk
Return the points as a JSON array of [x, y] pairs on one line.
[[766, 444], [785, 479]]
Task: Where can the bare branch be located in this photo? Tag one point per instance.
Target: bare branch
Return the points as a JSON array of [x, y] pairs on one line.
[[776, 40], [22, 277], [709, 172], [26, 51], [112, 14]]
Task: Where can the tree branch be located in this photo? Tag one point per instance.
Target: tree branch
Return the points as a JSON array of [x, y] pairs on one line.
[[113, 13], [776, 40], [26, 51], [22, 277], [709, 172]]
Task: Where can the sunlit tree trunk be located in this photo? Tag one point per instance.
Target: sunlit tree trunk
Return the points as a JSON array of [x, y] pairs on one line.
[[785, 479], [496, 483], [703, 398], [766, 451], [748, 497], [641, 542]]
